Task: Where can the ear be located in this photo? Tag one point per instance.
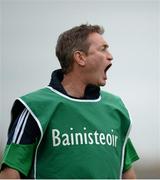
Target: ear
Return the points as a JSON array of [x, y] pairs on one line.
[[80, 58]]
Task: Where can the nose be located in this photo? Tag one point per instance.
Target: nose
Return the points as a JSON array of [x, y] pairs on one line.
[[109, 56]]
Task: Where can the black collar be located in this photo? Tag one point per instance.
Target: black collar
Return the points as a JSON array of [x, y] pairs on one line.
[[91, 91]]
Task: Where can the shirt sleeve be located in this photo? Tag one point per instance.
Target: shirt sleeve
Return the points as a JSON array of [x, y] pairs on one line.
[[130, 155], [19, 157], [23, 135]]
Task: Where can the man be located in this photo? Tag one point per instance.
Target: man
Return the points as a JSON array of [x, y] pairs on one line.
[[71, 129]]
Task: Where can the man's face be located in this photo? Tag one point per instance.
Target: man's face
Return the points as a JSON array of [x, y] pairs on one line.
[[98, 60]]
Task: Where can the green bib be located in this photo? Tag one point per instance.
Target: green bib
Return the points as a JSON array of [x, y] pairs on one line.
[[80, 139]]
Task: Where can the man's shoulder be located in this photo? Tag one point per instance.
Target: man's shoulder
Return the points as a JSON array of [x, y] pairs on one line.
[[112, 99], [110, 95], [35, 92], [37, 96], [44, 95]]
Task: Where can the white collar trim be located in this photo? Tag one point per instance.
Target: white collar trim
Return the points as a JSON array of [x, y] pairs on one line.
[[74, 99]]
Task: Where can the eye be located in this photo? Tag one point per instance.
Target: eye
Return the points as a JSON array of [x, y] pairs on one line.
[[104, 49]]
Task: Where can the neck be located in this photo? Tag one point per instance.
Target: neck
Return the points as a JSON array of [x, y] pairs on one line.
[[73, 85]]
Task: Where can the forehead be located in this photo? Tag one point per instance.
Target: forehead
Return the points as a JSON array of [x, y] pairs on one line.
[[96, 39]]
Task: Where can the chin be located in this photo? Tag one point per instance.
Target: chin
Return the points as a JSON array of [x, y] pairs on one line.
[[99, 83], [102, 83]]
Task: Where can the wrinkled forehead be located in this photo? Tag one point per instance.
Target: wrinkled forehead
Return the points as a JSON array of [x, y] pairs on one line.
[[96, 39]]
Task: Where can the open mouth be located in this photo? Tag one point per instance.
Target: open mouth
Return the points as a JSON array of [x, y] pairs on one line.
[[106, 69]]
